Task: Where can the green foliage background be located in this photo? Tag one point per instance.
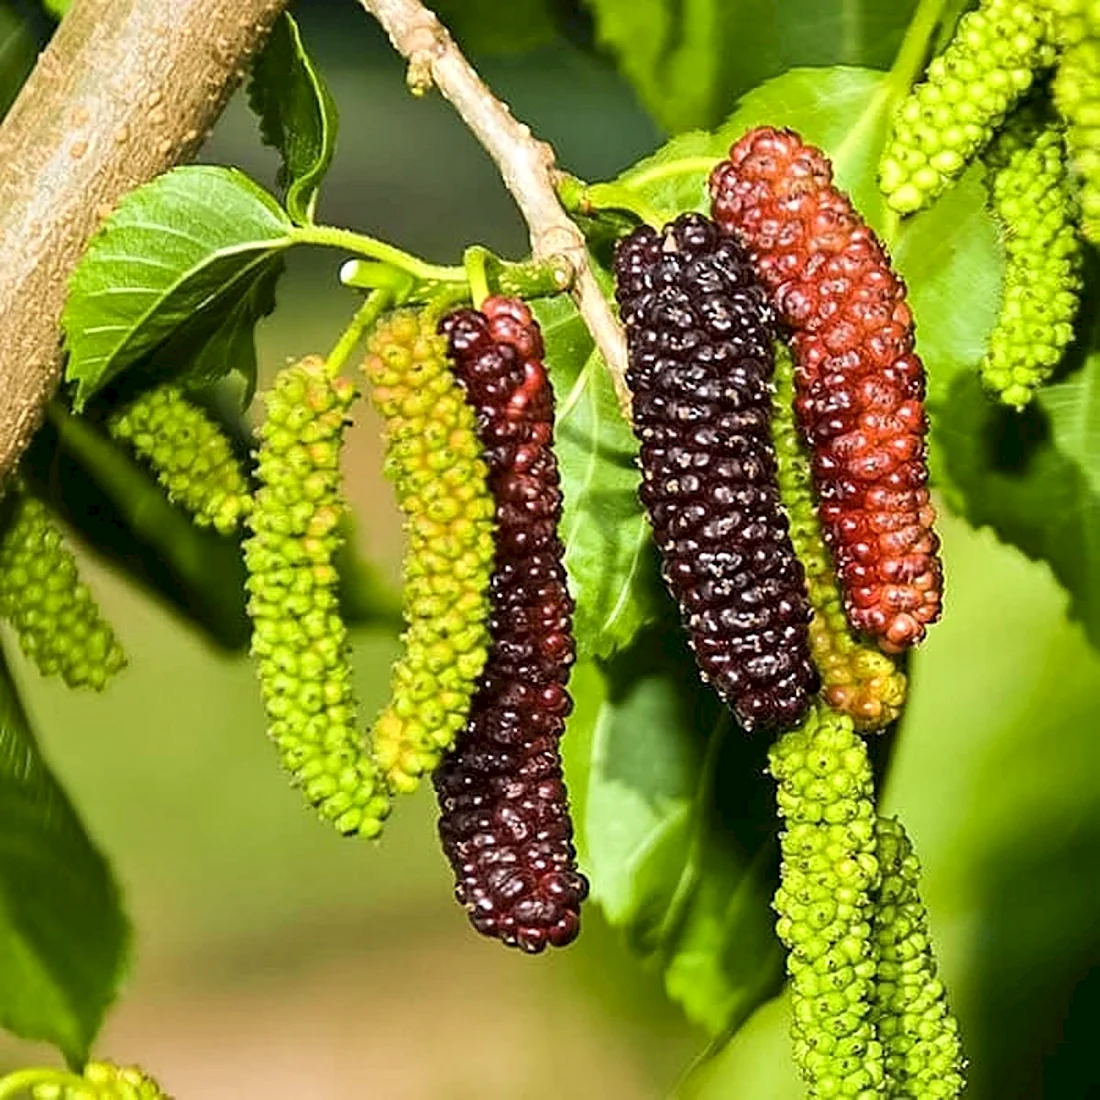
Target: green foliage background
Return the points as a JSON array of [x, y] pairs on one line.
[[270, 957]]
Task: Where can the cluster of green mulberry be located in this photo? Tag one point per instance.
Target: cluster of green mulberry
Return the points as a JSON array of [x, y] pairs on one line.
[[870, 1017], [965, 96], [825, 903], [298, 637], [433, 458], [915, 1026], [1032, 196], [190, 455], [1076, 27], [101, 1081], [55, 616], [856, 679]]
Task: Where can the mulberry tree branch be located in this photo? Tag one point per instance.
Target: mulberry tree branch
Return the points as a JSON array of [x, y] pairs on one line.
[[526, 164], [125, 89]]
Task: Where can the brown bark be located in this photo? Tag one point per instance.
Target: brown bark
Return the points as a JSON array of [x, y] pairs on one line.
[[126, 89]]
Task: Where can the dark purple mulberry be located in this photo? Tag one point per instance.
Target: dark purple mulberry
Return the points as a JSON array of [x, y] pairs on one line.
[[504, 818], [700, 338], [859, 386]]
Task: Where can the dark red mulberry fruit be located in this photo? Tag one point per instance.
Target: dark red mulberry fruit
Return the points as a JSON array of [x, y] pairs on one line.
[[700, 337], [859, 386], [504, 818]]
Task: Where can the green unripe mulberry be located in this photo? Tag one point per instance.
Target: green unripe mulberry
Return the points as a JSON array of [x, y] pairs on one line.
[[101, 1081], [190, 455], [856, 679], [54, 614], [1077, 97], [968, 90], [299, 640], [433, 458], [825, 903], [1032, 196], [915, 1026]]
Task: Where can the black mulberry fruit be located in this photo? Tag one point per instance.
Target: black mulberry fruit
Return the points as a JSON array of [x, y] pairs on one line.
[[504, 819], [700, 336]]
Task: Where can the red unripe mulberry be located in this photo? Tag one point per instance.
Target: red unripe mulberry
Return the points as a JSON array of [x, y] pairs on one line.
[[504, 818], [859, 385]]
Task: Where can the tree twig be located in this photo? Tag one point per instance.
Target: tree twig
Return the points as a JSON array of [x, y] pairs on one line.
[[526, 164], [126, 89]]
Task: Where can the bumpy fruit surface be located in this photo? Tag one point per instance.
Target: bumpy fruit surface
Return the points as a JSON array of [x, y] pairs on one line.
[[189, 454], [968, 90], [824, 901], [859, 386], [433, 457], [857, 679], [919, 1034], [54, 614], [504, 818], [102, 1081], [298, 638], [1077, 96], [1033, 199], [700, 337]]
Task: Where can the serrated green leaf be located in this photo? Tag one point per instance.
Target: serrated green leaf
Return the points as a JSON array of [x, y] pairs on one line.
[[949, 255], [63, 937], [690, 60], [608, 549], [223, 338], [488, 27], [1035, 489], [674, 827], [176, 247], [18, 50], [57, 8], [297, 115]]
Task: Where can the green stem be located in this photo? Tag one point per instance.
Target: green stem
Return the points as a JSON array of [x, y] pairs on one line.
[[331, 236], [914, 48], [474, 260], [24, 1080], [536, 279], [377, 302], [579, 197]]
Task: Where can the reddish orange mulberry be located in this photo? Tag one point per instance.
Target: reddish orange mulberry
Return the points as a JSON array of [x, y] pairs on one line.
[[504, 819], [859, 384]]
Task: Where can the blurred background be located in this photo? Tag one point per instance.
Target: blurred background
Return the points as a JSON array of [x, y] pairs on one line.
[[272, 959]]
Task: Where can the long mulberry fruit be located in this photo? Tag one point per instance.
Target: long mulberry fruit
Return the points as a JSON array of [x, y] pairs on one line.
[[918, 1032], [825, 903], [860, 387], [857, 679], [504, 819], [100, 1081], [190, 455], [298, 638], [968, 90], [433, 457], [700, 340], [54, 614], [1077, 97], [1032, 197]]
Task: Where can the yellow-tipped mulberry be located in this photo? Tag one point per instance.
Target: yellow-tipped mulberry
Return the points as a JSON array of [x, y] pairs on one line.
[[102, 1081], [825, 903], [1077, 97], [54, 614], [298, 638], [856, 679], [433, 458], [1032, 197], [968, 90], [190, 455], [915, 1026]]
